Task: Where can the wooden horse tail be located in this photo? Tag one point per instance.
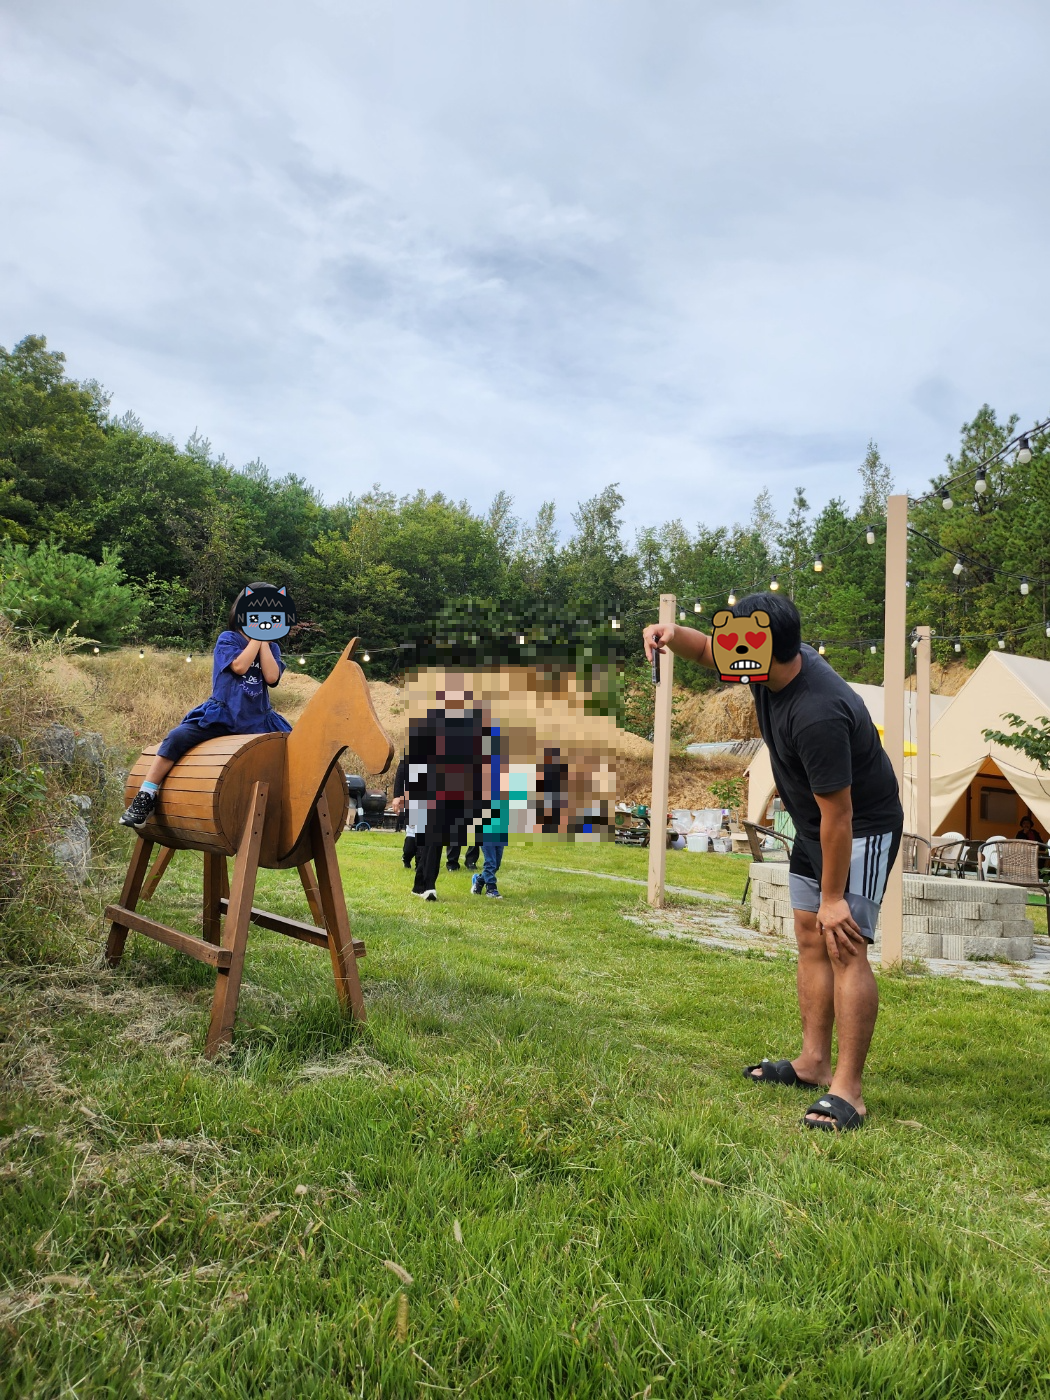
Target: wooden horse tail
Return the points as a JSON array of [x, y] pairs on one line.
[[341, 703]]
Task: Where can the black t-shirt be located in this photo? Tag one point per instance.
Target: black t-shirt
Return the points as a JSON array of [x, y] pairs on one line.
[[821, 739]]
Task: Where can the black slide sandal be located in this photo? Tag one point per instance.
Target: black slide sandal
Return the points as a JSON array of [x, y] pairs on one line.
[[845, 1115], [777, 1072]]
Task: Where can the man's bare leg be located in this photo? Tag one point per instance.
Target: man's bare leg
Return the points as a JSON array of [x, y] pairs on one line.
[[856, 1007], [816, 1001]]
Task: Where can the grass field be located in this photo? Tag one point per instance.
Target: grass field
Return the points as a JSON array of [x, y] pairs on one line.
[[544, 1127]]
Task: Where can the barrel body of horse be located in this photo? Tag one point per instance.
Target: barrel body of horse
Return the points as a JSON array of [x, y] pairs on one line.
[[203, 802]]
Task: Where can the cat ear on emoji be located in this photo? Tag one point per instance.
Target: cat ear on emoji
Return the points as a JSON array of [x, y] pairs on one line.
[[282, 591], [761, 618], [248, 592], [722, 617]]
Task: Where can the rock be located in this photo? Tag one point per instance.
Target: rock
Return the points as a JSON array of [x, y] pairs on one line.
[[10, 751], [56, 746], [91, 750], [81, 801], [72, 850]]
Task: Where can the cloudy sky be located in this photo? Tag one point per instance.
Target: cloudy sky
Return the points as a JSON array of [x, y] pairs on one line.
[[693, 246]]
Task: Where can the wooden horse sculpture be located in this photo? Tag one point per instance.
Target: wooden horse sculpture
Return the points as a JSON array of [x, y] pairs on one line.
[[272, 800]]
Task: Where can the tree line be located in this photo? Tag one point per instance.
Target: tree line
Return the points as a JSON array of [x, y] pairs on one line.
[[113, 527]]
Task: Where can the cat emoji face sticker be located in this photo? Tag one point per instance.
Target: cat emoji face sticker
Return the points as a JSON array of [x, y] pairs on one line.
[[742, 646], [265, 613]]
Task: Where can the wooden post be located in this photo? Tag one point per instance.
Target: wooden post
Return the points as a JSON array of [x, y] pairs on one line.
[[923, 819], [336, 919], [893, 706], [238, 916], [213, 869], [661, 766], [129, 897], [313, 894], [149, 889]]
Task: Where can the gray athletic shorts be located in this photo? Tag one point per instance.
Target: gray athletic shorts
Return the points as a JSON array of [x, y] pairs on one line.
[[869, 868]]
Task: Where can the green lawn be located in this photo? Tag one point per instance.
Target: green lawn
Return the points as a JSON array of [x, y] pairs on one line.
[[544, 1124]]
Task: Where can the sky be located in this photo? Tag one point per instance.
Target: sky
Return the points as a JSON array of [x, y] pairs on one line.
[[695, 247]]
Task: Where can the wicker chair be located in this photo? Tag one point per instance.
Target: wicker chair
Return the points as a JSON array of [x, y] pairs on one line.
[[915, 853], [1018, 863], [756, 835], [948, 854]]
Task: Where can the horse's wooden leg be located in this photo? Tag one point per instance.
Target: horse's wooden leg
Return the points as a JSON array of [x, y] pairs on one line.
[[235, 934], [149, 889], [129, 897], [336, 919], [313, 894], [225, 877], [213, 872]]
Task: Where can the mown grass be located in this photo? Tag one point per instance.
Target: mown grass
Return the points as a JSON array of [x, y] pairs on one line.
[[543, 1122]]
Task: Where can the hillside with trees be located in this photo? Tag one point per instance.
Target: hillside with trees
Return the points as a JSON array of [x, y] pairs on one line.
[[109, 527]]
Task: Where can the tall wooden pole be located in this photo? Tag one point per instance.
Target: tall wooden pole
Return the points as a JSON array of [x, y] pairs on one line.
[[893, 703], [661, 766], [923, 817]]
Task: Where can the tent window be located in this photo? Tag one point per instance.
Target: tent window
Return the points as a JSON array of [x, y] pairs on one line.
[[998, 805]]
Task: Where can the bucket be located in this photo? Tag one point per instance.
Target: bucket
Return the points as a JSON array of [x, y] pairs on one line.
[[697, 841]]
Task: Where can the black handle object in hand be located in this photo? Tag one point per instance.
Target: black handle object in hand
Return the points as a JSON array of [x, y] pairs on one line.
[[656, 667]]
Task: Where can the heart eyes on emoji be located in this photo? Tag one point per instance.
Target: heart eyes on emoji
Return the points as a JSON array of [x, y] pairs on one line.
[[727, 640], [754, 639]]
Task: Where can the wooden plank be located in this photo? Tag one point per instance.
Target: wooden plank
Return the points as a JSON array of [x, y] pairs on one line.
[[294, 928], [661, 766], [129, 897], [238, 913], [313, 895], [337, 921], [212, 925], [192, 947], [149, 889]]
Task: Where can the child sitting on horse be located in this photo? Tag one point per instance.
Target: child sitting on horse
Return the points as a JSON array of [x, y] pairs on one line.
[[247, 663]]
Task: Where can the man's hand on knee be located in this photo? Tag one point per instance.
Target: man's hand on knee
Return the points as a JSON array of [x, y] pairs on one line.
[[841, 932]]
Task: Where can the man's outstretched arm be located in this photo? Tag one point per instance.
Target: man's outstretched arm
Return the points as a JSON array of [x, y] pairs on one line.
[[683, 641]]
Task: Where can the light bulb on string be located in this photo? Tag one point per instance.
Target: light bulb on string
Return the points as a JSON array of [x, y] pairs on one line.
[[1024, 452], [915, 644], [188, 660], [1002, 642], [95, 650], [821, 649], [1024, 585], [774, 584], [1047, 631], [958, 567], [141, 654], [521, 640], [981, 484], [698, 607], [302, 661], [366, 657], [681, 614], [958, 646], [614, 623], [946, 498], [869, 534], [732, 598], [873, 648], [818, 565]]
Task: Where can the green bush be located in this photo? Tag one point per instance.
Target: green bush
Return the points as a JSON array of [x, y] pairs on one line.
[[48, 590]]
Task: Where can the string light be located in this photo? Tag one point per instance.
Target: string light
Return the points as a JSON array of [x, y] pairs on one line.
[[188, 660], [981, 484], [141, 654], [681, 614], [95, 650], [521, 640], [821, 649], [366, 657], [946, 498], [1002, 642], [698, 607], [958, 567], [1024, 452], [870, 534], [958, 646], [818, 565], [1024, 585], [774, 584], [614, 623], [302, 661], [1047, 631], [732, 598], [873, 648]]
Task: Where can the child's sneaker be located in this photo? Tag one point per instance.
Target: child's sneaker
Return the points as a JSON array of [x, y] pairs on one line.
[[477, 885], [141, 809], [493, 893]]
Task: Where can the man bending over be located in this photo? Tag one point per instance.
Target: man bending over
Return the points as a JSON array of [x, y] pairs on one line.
[[836, 781]]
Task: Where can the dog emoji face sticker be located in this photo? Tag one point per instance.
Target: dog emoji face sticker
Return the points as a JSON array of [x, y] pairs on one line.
[[742, 646]]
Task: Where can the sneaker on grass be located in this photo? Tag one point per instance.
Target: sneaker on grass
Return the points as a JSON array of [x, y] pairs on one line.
[[425, 894], [493, 893], [141, 809], [477, 885]]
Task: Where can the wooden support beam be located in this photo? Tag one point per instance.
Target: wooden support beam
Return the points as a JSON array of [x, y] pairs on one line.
[[294, 928], [337, 921], [893, 706], [129, 897], [160, 933], [661, 766], [923, 821], [149, 889], [235, 934]]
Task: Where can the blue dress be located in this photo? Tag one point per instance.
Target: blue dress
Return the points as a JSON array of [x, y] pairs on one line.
[[241, 703]]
